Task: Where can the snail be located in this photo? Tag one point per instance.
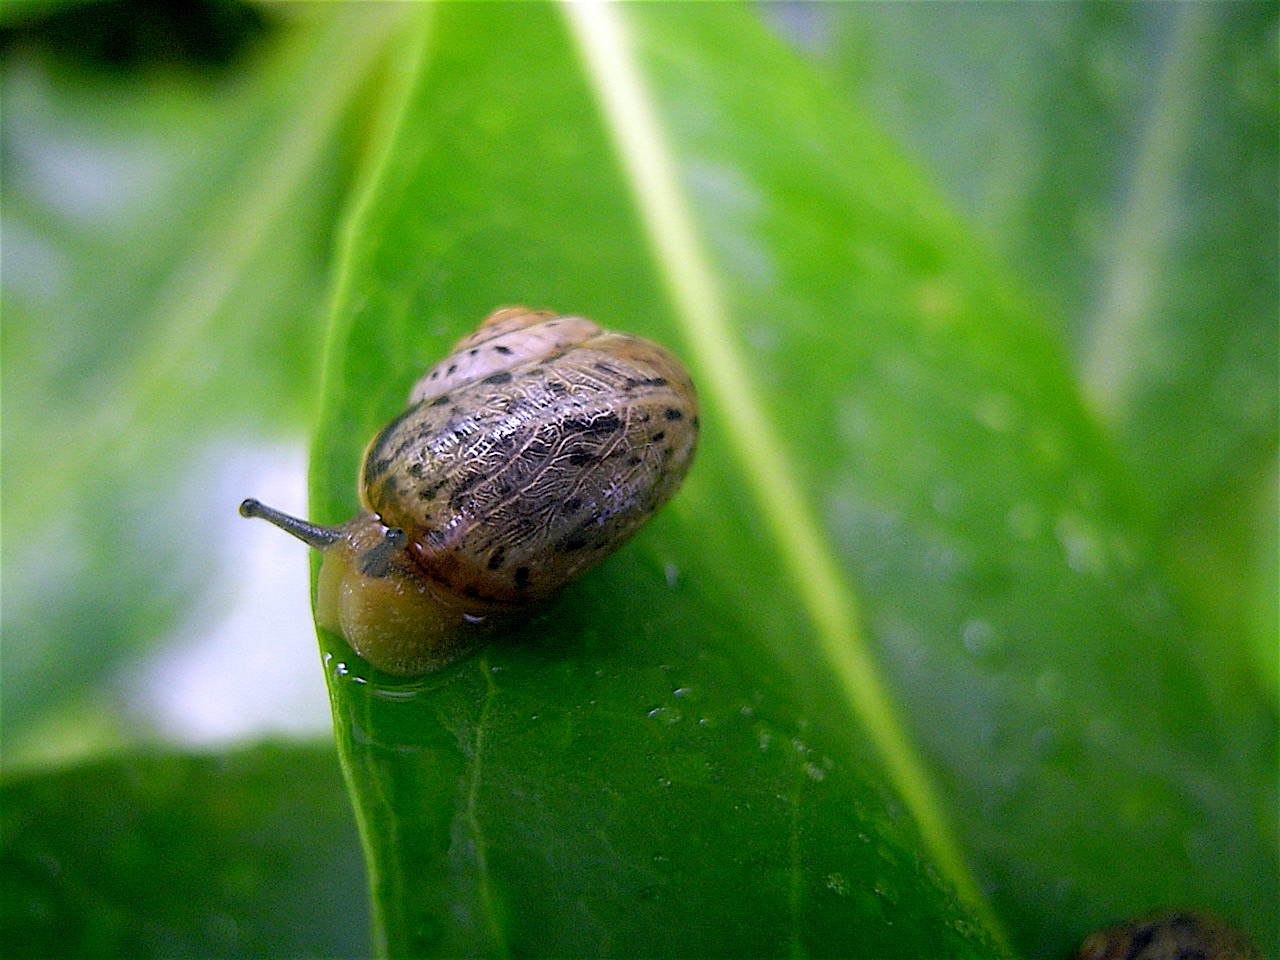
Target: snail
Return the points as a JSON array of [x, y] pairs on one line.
[[533, 450], [1176, 935]]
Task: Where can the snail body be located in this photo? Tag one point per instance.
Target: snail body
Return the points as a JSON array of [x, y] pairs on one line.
[[539, 445]]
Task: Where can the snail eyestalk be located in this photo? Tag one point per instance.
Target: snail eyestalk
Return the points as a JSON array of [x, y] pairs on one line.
[[374, 563], [312, 534]]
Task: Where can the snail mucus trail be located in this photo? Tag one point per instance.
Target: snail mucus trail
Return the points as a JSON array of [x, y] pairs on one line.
[[539, 445]]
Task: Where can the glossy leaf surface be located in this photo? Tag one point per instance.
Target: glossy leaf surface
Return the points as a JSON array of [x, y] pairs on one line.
[[902, 529], [926, 616], [165, 855]]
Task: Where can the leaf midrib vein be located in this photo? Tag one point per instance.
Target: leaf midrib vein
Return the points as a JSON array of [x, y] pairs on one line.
[[631, 116]]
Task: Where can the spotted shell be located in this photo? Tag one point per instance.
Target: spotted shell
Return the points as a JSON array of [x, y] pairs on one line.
[[1175, 935], [528, 454]]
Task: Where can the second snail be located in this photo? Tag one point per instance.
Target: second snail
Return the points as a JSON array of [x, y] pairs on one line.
[[532, 451]]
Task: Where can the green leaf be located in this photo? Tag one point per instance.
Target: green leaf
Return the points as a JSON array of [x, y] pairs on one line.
[[898, 659], [166, 237], [1122, 159], [179, 856]]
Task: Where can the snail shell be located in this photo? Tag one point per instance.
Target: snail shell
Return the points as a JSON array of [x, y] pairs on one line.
[[1176, 935], [533, 450]]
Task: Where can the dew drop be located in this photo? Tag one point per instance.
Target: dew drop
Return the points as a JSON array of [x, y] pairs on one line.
[[672, 573], [980, 639], [1082, 545], [666, 714], [886, 891], [837, 884]]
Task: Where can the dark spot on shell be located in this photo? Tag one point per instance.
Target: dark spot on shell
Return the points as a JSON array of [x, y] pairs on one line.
[[452, 367], [605, 368], [557, 389], [434, 374], [608, 423], [633, 461], [441, 400], [659, 436], [495, 561], [580, 459], [522, 577], [505, 351], [577, 543], [656, 382], [673, 414], [1141, 940], [502, 377], [694, 421], [470, 591], [573, 504], [473, 351], [416, 469]]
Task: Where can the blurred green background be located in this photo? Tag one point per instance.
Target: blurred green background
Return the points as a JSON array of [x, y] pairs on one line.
[[185, 207]]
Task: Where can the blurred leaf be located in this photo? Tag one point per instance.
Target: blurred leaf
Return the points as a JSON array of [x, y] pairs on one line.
[[691, 751], [166, 235], [1123, 159], [181, 856]]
